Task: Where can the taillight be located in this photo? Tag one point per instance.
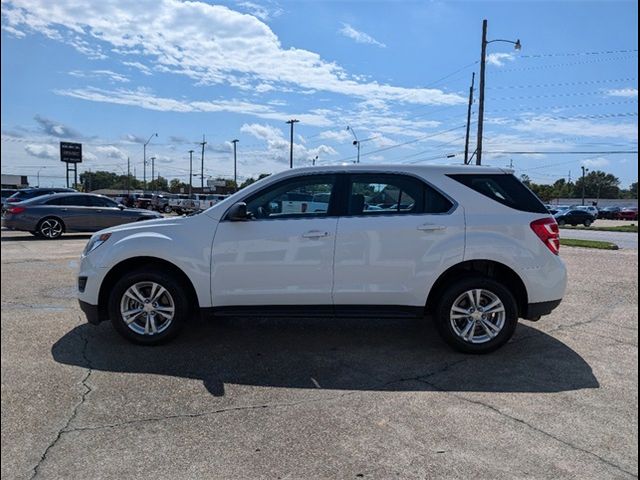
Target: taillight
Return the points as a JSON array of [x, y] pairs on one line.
[[15, 210], [547, 230]]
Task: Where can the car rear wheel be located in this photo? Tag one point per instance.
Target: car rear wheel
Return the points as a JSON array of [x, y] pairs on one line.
[[167, 209], [148, 307], [477, 315], [561, 222], [587, 223], [50, 228]]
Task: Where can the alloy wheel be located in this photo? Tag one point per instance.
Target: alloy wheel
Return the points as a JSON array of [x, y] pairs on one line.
[[147, 308], [477, 316]]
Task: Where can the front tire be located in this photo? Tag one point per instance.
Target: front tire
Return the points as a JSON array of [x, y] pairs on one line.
[[477, 315], [50, 228], [148, 307], [562, 223], [587, 223]]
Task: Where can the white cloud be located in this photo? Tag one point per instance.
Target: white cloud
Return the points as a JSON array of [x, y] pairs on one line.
[[578, 127], [42, 151], [596, 162], [338, 136], [500, 59], [623, 92], [140, 66], [111, 151], [359, 37], [113, 76], [263, 12], [210, 44], [278, 144], [145, 99]]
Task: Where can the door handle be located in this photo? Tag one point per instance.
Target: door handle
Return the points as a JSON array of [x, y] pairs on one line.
[[315, 234], [99, 211], [431, 227]]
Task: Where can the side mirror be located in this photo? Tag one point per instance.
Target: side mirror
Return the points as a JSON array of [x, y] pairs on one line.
[[238, 212]]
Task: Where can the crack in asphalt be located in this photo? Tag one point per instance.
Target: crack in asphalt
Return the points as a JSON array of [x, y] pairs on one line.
[[74, 412], [532, 427]]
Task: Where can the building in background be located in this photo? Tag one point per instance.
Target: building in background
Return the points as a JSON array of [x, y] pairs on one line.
[[14, 181]]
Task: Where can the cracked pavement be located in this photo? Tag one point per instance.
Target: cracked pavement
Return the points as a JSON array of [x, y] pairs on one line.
[[315, 398]]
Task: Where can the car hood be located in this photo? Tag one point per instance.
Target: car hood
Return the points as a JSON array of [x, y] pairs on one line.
[[158, 224], [141, 210]]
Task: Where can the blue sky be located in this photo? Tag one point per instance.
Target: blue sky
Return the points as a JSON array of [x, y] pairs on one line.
[[110, 74]]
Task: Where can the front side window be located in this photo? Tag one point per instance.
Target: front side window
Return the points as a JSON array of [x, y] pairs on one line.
[[102, 202], [294, 198]]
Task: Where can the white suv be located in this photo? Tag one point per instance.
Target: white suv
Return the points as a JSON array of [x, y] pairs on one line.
[[470, 246]]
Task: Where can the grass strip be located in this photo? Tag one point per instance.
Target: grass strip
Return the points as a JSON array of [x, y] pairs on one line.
[[571, 242], [621, 228]]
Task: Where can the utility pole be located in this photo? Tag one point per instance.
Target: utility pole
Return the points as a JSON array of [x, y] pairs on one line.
[[481, 103], [235, 164], [153, 165], [313, 162], [584, 170], [466, 141], [190, 170], [144, 163], [128, 176], [356, 142], [483, 63], [291, 122], [202, 143]]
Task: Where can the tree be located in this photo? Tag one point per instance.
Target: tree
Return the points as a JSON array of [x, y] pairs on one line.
[[598, 184], [634, 189], [159, 184], [177, 186]]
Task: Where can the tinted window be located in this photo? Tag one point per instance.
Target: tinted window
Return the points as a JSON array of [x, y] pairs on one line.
[[384, 194], [294, 198], [101, 202], [504, 189], [71, 200]]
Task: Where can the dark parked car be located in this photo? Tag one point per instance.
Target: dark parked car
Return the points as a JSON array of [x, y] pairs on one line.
[[144, 201], [52, 215], [627, 214], [609, 213], [29, 193], [6, 193], [574, 217]]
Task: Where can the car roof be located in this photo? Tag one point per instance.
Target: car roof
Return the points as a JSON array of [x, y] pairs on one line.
[[433, 169], [62, 195]]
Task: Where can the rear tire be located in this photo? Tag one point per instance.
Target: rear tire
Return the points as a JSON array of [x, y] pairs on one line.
[[587, 223], [562, 223], [477, 315], [167, 209], [148, 307]]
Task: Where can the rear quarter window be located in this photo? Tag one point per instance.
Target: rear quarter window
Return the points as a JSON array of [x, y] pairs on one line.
[[503, 188]]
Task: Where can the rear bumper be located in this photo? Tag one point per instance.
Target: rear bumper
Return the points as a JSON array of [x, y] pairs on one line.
[[537, 310], [92, 312]]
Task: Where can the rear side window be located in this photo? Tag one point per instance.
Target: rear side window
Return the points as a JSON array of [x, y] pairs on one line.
[[504, 189]]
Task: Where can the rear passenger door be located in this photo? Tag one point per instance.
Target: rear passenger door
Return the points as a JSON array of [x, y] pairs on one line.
[[397, 235]]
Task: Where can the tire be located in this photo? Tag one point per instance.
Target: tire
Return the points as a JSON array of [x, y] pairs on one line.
[[175, 296], [587, 223], [50, 228], [167, 209], [452, 329], [562, 223]]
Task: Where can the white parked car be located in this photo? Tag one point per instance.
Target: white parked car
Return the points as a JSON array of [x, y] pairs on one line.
[[476, 250]]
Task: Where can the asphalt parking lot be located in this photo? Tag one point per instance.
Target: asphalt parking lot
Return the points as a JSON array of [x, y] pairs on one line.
[[315, 398]]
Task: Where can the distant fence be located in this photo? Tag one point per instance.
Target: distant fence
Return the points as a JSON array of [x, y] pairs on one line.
[[603, 202]]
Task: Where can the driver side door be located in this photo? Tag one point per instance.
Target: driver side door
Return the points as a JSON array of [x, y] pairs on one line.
[[284, 255]]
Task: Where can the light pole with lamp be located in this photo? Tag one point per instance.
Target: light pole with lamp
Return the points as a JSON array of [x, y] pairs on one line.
[[144, 163], [483, 60], [190, 171], [356, 142], [584, 171], [153, 169]]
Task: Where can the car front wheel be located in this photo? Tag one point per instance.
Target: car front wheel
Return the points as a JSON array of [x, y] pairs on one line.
[[587, 223], [477, 315], [148, 307]]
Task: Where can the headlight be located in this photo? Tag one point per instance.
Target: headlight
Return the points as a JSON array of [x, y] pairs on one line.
[[95, 242]]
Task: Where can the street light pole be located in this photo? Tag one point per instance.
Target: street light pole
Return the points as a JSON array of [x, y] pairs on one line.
[[144, 163], [153, 165], [356, 142], [584, 170], [291, 122], [190, 170], [202, 143], [483, 62], [235, 164]]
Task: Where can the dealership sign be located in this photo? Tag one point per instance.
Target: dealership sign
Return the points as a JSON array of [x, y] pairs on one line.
[[70, 152]]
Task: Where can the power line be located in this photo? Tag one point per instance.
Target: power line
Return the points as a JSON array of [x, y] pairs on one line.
[[575, 105], [578, 54], [560, 65], [550, 95], [566, 84], [561, 152]]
